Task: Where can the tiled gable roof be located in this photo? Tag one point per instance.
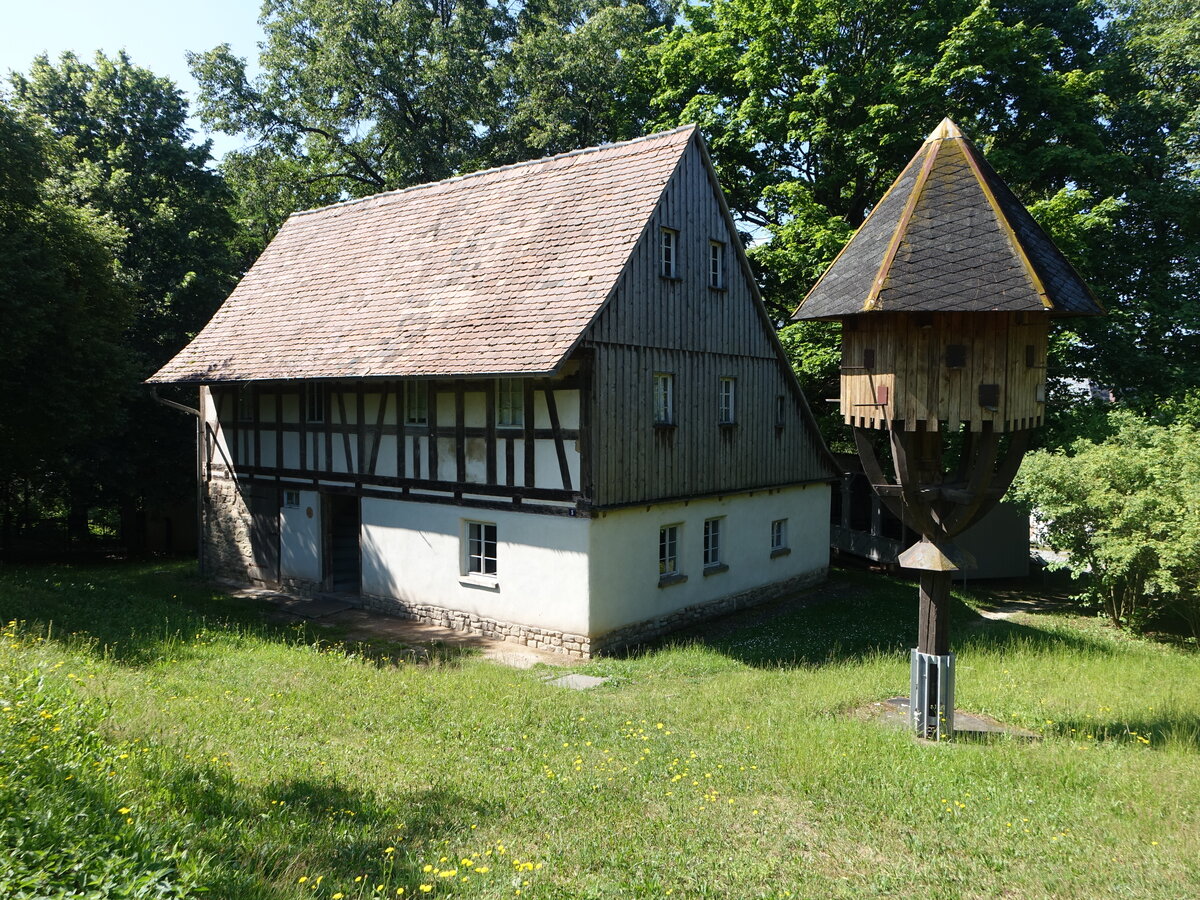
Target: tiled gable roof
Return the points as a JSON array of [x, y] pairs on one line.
[[497, 272], [949, 236]]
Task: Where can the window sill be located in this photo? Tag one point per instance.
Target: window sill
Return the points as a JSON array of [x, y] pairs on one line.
[[480, 582], [664, 425], [674, 578], [718, 290], [670, 277], [716, 569], [727, 426], [780, 551]]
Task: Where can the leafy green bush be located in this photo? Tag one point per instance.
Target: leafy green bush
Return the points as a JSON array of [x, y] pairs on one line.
[[1126, 512]]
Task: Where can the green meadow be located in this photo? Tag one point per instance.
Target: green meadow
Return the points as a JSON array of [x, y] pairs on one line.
[[160, 740]]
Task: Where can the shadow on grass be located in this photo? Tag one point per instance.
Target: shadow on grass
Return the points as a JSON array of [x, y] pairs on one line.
[[1156, 732], [856, 615], [137, 614], [205, 831]]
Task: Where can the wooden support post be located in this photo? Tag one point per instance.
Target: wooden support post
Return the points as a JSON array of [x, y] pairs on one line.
[[933, 634]]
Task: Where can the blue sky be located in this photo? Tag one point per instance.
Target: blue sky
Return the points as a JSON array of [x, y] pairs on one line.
[[155, 34]]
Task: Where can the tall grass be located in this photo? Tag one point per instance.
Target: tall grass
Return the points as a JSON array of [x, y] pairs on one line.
[[260, 761]]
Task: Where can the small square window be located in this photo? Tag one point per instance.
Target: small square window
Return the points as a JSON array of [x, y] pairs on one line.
[[511, 402], [716, 264], [668, 550], [664, 398], [291, 499], [712, 542], [668, 252], [314, 403], [779, 534], [727, 395], [481, 548], [416, 403]]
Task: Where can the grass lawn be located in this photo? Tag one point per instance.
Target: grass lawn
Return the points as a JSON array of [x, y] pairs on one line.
[[159, 740]]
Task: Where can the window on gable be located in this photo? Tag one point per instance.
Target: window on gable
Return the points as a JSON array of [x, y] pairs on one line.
[[668, 550], [416, 403], [510, 402], [668, 252], [664, 398], [716, 264], [779, 535], [712, 542], [726, 401], [780, 408], [314, 403], [481, 548]]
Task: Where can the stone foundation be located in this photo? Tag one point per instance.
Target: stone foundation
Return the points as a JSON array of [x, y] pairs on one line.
[[578, 645], [649, 629], [227, 528]]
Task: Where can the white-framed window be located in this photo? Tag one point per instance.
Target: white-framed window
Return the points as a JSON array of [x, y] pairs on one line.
[[668, 252], [481, 548], [416, 403], [716, 264], [510, 396], [664, 398], [245, 404], [668, 550], [291, 499], [779, 535], [727, 400], [314, 403], [712, 542]]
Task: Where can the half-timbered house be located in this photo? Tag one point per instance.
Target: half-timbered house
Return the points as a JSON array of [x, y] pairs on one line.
[[543, 402]]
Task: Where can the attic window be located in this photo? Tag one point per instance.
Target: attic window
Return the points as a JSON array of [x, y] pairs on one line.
[[668, 252], [314, 403], [716, 265], [416, 403], [245, 406], [511, 405]]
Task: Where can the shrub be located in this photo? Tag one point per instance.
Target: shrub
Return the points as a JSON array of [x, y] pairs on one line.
[[1126, 512]]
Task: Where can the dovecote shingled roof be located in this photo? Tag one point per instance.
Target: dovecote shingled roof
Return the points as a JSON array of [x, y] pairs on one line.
[[493, 273], [949, 236]]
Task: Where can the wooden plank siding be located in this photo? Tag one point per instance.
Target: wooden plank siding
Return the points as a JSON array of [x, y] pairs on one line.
[[700, 334], [909, 353]]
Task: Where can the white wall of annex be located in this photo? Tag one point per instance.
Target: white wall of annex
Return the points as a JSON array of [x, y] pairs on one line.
[[300, 538], [624, 551], [413, 552]]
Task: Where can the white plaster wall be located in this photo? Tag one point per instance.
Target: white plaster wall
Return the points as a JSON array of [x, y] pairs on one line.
[[624, 551], [300, 538], [413, 552]]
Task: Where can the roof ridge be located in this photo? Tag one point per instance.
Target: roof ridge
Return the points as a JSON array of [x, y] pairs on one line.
[[496, 169]]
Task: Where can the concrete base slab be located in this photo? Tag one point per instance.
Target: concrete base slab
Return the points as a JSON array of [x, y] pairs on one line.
[[577, 682], [894, 712]]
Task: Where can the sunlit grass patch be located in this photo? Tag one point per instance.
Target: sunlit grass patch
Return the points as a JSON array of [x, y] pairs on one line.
[[262, 761]]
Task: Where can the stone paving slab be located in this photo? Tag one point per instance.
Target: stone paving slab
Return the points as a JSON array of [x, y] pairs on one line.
[[577, 682]]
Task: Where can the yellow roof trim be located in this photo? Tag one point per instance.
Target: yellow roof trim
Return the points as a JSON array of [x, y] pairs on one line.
[[885, 266], [1012, 236], [846, 246]]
